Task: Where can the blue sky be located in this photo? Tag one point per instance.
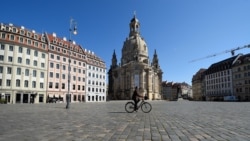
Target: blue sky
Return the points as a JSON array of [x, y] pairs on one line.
[[179, 30]]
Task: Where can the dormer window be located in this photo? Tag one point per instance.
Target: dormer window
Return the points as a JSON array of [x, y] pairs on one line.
[[43, 39], [28, 34], [60, 44], [35, 36], [22, 32], [14, 30]]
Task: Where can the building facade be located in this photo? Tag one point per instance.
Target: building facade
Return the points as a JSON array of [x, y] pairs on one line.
[[241, 78], [198, 85], [23, 65], [35, 68], [135, 68], [96, 79]]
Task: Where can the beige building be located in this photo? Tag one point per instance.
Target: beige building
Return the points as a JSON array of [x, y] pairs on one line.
[[198, 85], [135, 68], [23, 65], [241, 78]]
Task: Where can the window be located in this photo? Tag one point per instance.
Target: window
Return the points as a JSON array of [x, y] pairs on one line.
[[57, 75], [9, 59], [2, 46], [8, 82], [50, 85], [35, 53], [43, 55], [20, 50], [19, 60], [18, 71], [79, 70], [42, 65], [0, 82], [58, 57], [52, 56], [26, 83], [12, 37], [74, 86], [51, 65], [63, 76], [34, 73], [1, 69], [11, 48], [74, 69], [42, 75], [28, 52], [27, 61], [35, 63], [79, 78], [51, 74], [26, 72], [21, 40], [33, 84], [63, 85], [79, 87], [74, 78], [3, 35], [18, 83], [9, 70], [83, 88], [57, 66], [57, 85], [1, 57], [64, 67], [64, 59], [41, 85]]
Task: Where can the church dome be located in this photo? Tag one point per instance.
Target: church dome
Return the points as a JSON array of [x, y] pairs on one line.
[[135, 47]]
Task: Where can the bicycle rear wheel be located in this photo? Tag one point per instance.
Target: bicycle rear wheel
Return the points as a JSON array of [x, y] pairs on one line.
[[146, 107], [129, 107]]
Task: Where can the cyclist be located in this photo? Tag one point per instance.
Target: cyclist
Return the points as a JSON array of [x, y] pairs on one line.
[[136, 97]]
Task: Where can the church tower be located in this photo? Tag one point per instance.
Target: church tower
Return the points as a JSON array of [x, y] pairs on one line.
[[135, 68]]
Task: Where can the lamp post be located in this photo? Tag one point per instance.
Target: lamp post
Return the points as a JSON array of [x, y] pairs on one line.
[[72, 29]]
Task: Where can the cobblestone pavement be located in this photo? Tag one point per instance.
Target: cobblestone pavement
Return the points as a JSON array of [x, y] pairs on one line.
[[168, 121]]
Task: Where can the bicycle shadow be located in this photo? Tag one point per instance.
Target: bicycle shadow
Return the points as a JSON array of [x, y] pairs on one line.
[[116, 112]]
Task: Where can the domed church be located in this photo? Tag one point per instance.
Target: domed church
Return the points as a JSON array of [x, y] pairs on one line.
[[135, 69]]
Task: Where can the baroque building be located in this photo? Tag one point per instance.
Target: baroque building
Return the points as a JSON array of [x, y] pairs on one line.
[[135, 68], [198, 85]]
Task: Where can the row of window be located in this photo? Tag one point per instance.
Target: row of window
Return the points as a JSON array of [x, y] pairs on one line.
[[19, 71], [22, 32], [218, 74], [219, 86], [23, 40], [25, 83], [56, 86], [20, 61], [64, 68], [20, 50], [64, 60], [57, 75], [218, 80]]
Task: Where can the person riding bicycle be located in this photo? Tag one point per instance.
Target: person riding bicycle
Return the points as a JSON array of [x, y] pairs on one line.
[[136, 97]]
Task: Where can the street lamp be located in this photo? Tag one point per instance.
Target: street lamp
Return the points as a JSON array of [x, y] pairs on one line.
[[72, 29]]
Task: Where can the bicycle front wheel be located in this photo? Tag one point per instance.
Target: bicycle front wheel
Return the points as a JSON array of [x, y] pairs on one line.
[[146, 107], [129, 107]]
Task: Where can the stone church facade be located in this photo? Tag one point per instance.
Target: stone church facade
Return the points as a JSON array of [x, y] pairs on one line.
[[135, 69]]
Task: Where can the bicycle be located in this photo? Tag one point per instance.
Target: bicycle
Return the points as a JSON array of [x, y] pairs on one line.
[[145, 106]]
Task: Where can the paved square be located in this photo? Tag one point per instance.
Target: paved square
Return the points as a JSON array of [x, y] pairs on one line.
[[168, 121]]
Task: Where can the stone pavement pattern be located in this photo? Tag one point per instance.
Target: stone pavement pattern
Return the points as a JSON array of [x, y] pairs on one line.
[[168, 121]]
